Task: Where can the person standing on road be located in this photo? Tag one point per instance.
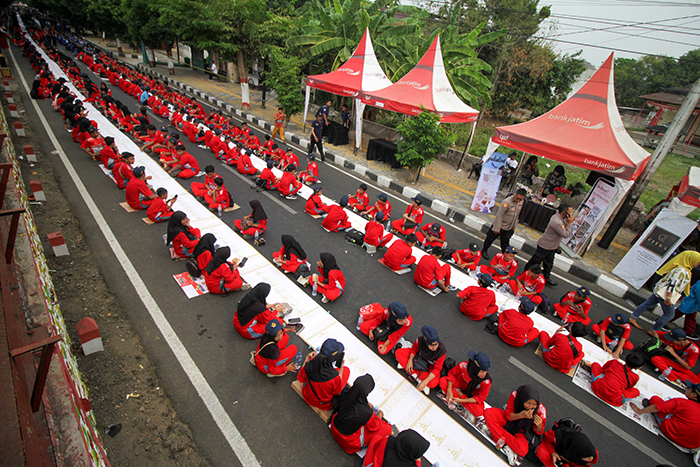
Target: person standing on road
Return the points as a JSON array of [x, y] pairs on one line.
[[279, 124], [558, 229], [317, 136], [323, 112], [504, 223]]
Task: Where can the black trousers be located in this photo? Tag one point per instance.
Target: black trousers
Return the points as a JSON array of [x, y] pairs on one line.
[[318, 144], [491, 236], [544, 257]]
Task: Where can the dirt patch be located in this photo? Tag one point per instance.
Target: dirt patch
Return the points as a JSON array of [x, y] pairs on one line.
[[122, 382]]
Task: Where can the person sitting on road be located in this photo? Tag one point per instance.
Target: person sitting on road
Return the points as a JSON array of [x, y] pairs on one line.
[[310, 175], [431, 235], [382, 205], [274, 353], [93, 144], [563, 352], [204, 251], [424, 360], [515, 327], [468, 259], [181, 235], [503, 266], [161, 208], [678, 418], [412, 218], [315, 205], [122, 171], [478, 301], [355, 424], [615, 382], [399, 255], [219, 197], [253, 312], [360, 201], [529, 284], [469, 384], [200, 189], [323, 375], [223, 276], [404, 449], [565, 446], [186, 166], [330, 281], [288, 185], [387, 327], [245, 164], [255, 223], [574, 306], [337, 219], [679, 358], [110, 153], [290, 256], [374, 232], [523, 418], [430, 274], [613, 334], [138, 193]]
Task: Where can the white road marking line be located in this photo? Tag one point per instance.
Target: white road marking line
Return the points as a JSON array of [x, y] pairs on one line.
[[591, 413], [210, 399], [266, 193]]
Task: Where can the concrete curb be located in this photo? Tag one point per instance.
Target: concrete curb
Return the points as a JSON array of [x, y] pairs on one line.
[[577, 268]]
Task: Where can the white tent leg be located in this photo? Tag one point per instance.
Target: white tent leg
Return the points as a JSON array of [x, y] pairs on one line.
[[306, 108], [360, 109]]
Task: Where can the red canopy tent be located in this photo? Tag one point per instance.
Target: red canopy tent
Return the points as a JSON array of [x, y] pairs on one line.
[[688, 197], [427, 85], [361, 72], [585, 131]]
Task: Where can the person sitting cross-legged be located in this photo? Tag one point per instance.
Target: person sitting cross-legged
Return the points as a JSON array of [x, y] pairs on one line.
[[337, 219], [274, 356], [478, 301], [574, 306], [529, 284], [323, 375], [399, 255], [374, 232], [424, 360], [515, 327], [430, 274], [615, 382], [469, 383], [561, 351]]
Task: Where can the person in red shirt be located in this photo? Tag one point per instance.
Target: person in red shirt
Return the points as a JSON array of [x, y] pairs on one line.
[[122, 171], [267, 179], [274, 354], [431, 235], [360, 201], [515, 327], [279, 124], [399, 255], [355, 424], [615, 382], [181, 235], [323, 375], [565, 446], [406, 446], [161, 208], [288, 185], [679, 357], [289, 158], [201, 189], [290, 256], [382, 205], [314, 205], [219, 197], [424, 360], [562, 352], [412, 218], [221, 275], [386, 326], [245, 165], [332, 287], [256, 221], [430, 274], [469, 384], [374, 232], [157, 140], [253, 312], [503, 266], [574, 306], [613, 334], [529, 284], [94, 144], [679, 419], [337, 219], [186, 167], [310, 175], [468, 258], [138, 193], [478, 301], [109, 154], [523, 417]]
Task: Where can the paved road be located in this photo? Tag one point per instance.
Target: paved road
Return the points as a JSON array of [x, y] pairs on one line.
[[279, 428]]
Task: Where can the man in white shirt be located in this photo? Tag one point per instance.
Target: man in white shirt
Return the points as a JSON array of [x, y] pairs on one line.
[[214, 70]]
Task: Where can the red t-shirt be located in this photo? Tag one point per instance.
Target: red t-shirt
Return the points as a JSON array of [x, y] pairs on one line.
[[95, 144], [478, 301], [374, 231], [137, 191], [532, 285], [559, 354], [689, 355], [426, 229], [427, 270], [122, 173], [324, 390], [397, 253], [459, 376], [627, 329], [502, 267], [336, 219], [107, 155], [541, 411], [680, 421], [188, 161], [466, 256], [585, 305], [513, 327], [362, 198], [158, 206], [613, 382], [417, 215]]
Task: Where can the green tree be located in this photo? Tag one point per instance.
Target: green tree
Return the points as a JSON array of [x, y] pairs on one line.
[[423, 139], [106, 16], [285, 79]]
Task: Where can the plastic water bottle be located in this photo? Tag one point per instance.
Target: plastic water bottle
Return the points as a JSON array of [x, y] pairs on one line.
[[220, 212], [314, 289], [451, 406], [500, 443], [437, 464], [375, 409], [664, 376], [612, 345], [297, 360], [359, 321], [257, 235]]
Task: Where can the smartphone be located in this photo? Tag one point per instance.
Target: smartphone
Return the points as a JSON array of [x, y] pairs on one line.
[[175, 197], [294, 320], [243, 261]]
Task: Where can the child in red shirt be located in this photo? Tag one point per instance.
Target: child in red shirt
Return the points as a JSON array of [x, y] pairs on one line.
[[478, 301], [503, 266], [430, 274], [337, 219], [360, 201], [562, 352], [374, 232], [529, 284], [574, 306], [515, 327], [400, 254], [468, 259], [161, 210]]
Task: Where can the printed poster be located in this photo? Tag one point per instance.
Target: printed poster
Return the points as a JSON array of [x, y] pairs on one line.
[[191, 287], [489, 181], [590, 213]]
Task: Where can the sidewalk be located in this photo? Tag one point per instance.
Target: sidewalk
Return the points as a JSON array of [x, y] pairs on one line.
[[443, 188]]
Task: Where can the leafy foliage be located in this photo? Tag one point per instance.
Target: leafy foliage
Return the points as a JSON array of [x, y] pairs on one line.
[[422, 140], [285, 79]]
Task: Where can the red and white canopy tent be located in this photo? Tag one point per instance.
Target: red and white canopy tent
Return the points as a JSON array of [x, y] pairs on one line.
[[585, 131], [688, 197], [360, 73]]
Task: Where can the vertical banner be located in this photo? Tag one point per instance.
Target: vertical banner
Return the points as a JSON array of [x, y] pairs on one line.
[[654, 247], [489, 181], [589, 214]]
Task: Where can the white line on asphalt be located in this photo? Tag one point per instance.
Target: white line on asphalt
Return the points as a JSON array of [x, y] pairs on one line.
[[591, 413], [208, 396], [246, 179]]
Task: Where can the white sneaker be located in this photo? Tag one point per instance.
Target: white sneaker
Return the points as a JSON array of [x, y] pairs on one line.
[[513, 458], [426, 391], [399, 367], [324, 300], [291, 197]]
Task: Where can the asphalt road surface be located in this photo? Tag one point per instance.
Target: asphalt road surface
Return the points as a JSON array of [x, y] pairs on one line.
[[277, 425]]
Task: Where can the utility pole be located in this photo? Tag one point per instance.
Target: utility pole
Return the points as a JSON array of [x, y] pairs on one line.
[[666, 144]]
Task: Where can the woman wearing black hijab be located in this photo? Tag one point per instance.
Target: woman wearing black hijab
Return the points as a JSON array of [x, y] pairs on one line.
[[254, 313], [274, 355], [182, 235], [522, 420], [424, 360], [569, 447], [404, 450], [332, 287], [323, 375], [221, 276], [529, 171], [469, 384], [555, 179], [355, 424], [204, 251], [256, 221], [290, 256]]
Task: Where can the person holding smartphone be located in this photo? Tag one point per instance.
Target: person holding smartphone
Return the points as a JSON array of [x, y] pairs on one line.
[[558, 229]]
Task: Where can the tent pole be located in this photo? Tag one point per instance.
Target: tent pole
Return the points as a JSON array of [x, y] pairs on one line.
[[466, 148], [306, 108], [654, 163]]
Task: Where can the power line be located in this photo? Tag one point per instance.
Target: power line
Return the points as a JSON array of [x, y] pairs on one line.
[[638, 26]]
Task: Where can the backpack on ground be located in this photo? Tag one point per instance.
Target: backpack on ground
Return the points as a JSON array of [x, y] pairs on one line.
[[354, 236], [192, 269]]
